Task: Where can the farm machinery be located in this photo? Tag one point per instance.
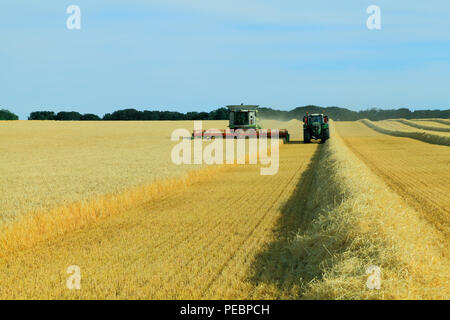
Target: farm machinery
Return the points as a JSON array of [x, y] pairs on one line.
[[243, 123], [315, 126]]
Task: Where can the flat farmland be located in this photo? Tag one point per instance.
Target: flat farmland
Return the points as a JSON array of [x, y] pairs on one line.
[[395, 125], [416, 170], [442, 123], [105, 197], [47, 163]]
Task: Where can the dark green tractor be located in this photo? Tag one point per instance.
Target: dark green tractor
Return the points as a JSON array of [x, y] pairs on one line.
[[315, 126]]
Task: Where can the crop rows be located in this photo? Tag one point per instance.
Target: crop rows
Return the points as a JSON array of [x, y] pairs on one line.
[[400, 130], [227, 232]]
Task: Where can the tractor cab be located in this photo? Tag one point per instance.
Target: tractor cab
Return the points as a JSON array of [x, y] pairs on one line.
[[315, 117]]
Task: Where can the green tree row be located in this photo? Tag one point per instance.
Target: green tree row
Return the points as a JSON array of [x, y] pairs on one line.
[[336, 113], [62, 116], [131, 114], [343, 114], [7, 115]]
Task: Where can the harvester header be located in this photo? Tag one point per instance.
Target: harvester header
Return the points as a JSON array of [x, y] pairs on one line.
[[243, 123]]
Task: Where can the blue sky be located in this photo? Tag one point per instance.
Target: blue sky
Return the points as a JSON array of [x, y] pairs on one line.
[[199, 55]]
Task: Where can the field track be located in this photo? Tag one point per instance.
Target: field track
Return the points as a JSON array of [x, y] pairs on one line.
[[418, 171], [179, 247]]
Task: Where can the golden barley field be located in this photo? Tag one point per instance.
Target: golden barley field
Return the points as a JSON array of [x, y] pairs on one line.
[[105, 197], [45, 163], [398, 129], [403, 126], [427, 125], [433, 122]]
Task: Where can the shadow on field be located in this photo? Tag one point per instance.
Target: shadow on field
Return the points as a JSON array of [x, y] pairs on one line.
[[302, 142], [277, 265]]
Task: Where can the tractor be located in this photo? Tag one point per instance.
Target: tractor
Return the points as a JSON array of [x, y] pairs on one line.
[[315, 126]]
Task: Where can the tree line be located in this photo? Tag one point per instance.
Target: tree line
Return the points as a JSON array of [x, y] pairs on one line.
[[343, 114], [336, 113], [7, 115], [131, 114]]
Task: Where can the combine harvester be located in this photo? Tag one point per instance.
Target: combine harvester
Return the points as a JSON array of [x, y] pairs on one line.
[[243, 123]]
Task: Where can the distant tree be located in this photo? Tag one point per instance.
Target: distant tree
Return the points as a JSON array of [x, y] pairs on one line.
[[125, 114], [219, 114], [7, 115], [171, 115], [192, 116], [68, 116], [151, 115], [42, 115], [203, 116], [90, 117], [336, 113]]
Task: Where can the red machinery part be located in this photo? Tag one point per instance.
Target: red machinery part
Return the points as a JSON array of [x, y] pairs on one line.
[[282, 133]]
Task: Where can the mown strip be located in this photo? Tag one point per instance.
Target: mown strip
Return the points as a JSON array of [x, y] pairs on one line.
[[40, 226], [424, 127], [422, 136], [197, 243], [443, 121], [344, 222]]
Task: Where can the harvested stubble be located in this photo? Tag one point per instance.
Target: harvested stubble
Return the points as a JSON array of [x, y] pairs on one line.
[[413, 169], [435, 121], [388, 127], [46, 164], [309, 232], [348, 221], [423, 126], [197, 243]]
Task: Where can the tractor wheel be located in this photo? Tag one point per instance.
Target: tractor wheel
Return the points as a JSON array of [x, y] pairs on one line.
[[306, 137]]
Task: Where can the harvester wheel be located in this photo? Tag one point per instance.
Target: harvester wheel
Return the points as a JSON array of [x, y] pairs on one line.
[[286, 138]]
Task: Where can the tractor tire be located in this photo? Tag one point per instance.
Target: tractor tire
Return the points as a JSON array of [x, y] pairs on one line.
[[306, 137]]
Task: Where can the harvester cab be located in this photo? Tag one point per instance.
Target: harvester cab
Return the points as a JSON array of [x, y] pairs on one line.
[[243, 123], [315, 126], [243, 117]]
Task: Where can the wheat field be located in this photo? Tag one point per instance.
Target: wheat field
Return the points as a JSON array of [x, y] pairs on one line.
[[139, 227], [49, 163], [434, 122], [430, 126], [398, 129], [397, 125]]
